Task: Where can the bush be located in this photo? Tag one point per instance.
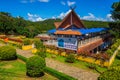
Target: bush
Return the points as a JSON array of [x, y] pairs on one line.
[[111, 74], [109, 52], [38, 44], [26, 41], [7, 53], [41, 53], [92, 66], [59, 75], [35, 66], [114, 47], [70, 58]]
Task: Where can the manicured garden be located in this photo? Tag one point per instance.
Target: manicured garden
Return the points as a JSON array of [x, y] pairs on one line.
[[11, 68], [23, 72], [34, 66], [78, 64], [16, 70]]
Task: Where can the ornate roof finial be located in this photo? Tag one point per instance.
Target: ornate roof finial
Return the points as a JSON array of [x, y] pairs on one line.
[[72, 7]]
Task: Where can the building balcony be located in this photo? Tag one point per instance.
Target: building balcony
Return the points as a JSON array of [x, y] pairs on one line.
[[90, 46]]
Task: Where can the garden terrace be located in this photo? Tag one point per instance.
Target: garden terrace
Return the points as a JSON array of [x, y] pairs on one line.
[[19, 40]]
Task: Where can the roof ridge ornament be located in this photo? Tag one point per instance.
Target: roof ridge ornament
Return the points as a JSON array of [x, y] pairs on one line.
[[72, 7]]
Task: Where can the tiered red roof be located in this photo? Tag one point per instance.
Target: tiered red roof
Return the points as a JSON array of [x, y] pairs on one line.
[[70, 20]]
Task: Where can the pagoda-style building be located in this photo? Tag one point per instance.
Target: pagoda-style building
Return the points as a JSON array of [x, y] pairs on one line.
[[71, 34]]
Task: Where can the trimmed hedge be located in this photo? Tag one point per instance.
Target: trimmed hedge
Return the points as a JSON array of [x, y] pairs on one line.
[[35, 66], [22, 58], [7, 53], [59, 75]]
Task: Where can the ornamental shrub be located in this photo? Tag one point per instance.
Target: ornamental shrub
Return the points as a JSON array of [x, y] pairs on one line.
[[26, 41], [114, 47], [109, 52], [92, 66], [41, 53], [7, 53], [38, 44], [70, 58], [35, 66]]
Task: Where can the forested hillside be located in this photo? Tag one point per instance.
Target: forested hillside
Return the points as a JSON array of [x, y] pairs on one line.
[[20, 26]]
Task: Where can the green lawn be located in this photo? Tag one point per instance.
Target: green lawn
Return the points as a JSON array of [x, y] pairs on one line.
[[79, 64], [16, 70]]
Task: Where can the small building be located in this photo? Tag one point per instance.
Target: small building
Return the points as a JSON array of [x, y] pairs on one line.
[[71, 34]]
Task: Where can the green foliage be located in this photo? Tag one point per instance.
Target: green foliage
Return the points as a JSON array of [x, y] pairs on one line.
[[7, 53], [26, 41], [110, 74], [70, 58], [59, 75], [91, 24], [115, 29], [109, 52], [38, 44], [35, 66], [91, 66], [41, 53], [113, 47], [116, 11], [22, 58]]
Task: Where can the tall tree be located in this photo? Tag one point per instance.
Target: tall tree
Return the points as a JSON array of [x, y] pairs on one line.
[[116, 11], [6, 22]]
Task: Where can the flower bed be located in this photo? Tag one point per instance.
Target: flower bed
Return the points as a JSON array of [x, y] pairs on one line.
[[100, 59]]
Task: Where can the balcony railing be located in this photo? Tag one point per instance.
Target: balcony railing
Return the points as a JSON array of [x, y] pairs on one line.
[[92, 39]]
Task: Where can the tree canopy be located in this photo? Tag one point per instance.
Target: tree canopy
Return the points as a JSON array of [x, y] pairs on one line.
[[116, 11]]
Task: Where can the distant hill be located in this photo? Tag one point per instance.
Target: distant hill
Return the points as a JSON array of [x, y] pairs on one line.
[[49, 23], [20, 26]]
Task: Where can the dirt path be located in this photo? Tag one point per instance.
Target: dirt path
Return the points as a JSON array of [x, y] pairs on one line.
[[25, 53], [80, 74]]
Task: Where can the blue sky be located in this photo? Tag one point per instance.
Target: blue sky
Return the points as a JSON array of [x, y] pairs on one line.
[[38, 10]]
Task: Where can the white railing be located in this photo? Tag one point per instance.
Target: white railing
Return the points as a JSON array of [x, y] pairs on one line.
[[92, 39]]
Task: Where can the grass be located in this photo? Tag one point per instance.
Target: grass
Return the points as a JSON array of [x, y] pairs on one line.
[[78, 64], [16, 70]]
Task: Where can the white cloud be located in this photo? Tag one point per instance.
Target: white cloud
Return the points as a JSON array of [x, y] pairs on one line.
[[63, 3], [109, 18], [24, 1], [34, 17], [53, 17], [63, 14], [31, 1], [43, 0], [70, 3], [89, 17], [27, 1]]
